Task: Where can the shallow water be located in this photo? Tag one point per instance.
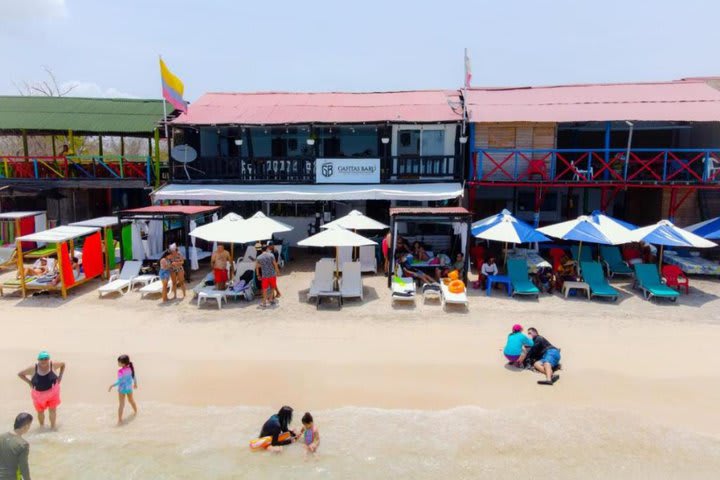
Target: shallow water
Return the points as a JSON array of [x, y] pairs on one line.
[[174, 442]]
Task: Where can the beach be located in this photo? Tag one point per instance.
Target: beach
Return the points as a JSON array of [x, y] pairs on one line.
[[408, 392]]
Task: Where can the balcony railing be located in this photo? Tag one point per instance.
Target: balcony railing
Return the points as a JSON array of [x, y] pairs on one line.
[[596, 166], [397, 169], [77, 167]]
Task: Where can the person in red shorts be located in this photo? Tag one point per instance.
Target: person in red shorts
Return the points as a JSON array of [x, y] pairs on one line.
[[44, 386], [267, 268], [220, 259]]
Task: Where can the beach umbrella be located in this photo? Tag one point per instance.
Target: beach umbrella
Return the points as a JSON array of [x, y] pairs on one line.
[[356, 220], [709, 229], [226, 230], [262, 222], [336, 237], [503, 227], [594, 228], [665, 233]]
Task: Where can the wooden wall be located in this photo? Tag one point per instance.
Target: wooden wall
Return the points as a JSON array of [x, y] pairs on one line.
[[517, 135]]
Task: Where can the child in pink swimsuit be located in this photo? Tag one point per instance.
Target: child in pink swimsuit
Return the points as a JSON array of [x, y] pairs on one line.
[[126, 383], [309, 435]]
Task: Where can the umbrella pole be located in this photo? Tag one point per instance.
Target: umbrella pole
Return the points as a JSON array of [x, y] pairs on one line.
[[505, 255], [232, 260], [660, 258], [337, 261], [577, 267]]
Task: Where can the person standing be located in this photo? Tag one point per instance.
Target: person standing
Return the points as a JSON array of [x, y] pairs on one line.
[[14, 450], [220, 259], [267, 267], [45, 386], [165, 275], [126, 382], [385, 245], [177, 269]]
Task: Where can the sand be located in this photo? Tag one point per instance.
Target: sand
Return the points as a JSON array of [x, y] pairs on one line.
[[652, 362]]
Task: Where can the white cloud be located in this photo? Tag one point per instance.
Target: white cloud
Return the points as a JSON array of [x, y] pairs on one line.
[[32, 9], [90, 89]]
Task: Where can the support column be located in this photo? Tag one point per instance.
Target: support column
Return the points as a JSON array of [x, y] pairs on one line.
[[53, 145], [157, 157], [100, 145], [25, 143], [608, 127]]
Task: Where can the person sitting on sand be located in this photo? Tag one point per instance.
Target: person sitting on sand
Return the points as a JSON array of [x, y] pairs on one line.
[[276, 425], [309, 434], [545, 357], [514, 346], [409, 271]]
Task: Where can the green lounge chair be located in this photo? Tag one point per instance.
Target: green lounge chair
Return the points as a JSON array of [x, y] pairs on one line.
[[586, 252], [521, 284], [648, 280], [613, 261], [599, 287]]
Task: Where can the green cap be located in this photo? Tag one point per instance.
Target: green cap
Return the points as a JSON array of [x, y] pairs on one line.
[[44, 355]]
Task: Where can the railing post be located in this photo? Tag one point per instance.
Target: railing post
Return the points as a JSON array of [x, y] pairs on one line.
[[706, 166], [148, 161], [7, 168], [122, 167], [665, 159], [515, 167], [35, 168]]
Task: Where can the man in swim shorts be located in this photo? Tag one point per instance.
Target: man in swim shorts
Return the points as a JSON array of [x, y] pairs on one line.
[[219, 260], [267, 267], [14, 450], [545, 357]]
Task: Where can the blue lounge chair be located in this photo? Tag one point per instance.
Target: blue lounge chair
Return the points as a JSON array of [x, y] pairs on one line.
[[613, 261], [586, 252], [599, 287], [518, 273], [647, 279]]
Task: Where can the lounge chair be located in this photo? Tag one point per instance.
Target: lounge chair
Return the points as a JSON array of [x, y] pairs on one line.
[[345, 255], [121, 282], [432, 291], [240, 287], [518, 273], [647, 279], [614, 263], [368, 260], [250, 254], [586, 253], [324, 280], [351, 285], [8, 257], [452, 298], [154, 288], [403, 289], [599, 287]]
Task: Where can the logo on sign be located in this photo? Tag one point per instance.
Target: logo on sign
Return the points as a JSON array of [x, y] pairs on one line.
[[327, 169]]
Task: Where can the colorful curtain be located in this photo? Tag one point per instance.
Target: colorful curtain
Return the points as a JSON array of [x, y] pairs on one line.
[[92, 260], [67, 270], [110, 248], [126, 235], [27, 226]]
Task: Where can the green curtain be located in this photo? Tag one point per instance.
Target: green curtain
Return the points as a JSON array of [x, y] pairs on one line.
[[126, 234], [110, 248]]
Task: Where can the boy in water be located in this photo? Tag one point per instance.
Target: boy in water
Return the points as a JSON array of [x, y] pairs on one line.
[[309, 434]]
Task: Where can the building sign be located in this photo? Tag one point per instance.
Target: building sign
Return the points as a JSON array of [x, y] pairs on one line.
[[347, 170]]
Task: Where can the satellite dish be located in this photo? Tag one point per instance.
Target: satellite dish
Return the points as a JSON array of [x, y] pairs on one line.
[[183, 153]]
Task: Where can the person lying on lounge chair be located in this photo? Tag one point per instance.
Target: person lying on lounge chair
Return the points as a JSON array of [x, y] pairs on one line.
[[408, 271], [545, 279], [39, 268]]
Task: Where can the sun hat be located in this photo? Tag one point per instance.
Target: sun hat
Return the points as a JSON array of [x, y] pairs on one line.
[[172, 247], [44, 355], [517, 328]]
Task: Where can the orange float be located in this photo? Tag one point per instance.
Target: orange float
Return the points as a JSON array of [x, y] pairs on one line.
[[453, 275], [456, 286]]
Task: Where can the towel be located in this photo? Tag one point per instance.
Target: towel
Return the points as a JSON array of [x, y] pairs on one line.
[[40, 226], [127, 236], [155, 237], [110, 249], [138, 252], [194, 265]]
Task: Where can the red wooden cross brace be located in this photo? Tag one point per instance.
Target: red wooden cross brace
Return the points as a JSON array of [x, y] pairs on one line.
[[499, 166]]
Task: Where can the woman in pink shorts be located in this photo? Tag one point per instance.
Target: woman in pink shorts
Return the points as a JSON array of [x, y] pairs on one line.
[[44, 385]]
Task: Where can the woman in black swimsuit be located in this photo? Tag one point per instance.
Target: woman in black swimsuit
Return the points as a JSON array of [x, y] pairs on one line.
[[44, 385]]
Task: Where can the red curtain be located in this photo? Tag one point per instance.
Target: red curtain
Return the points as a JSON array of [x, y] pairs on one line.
[[92, 257], [27, 226], [67, 270]]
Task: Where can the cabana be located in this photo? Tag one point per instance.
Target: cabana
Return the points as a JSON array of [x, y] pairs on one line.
[[15, 224], [174, 217], [457, 219], [63, 239], [106, 226]]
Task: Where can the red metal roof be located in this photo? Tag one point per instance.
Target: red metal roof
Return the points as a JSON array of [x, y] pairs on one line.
[[436, 211], [682, 100], [279, 108], [172, 210]]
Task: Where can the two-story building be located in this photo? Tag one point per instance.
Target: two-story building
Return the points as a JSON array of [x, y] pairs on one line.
[[641, 151], [306, 156]]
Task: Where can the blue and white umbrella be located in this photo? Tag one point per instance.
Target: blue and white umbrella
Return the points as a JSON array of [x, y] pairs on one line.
[[665, 233], [503, 227], [709, 229]]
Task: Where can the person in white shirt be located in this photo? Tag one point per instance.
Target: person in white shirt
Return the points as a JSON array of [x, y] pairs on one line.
[[488, 268]]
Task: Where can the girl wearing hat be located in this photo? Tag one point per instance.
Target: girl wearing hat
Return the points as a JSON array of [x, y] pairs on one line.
[[514, 351], [44, 385]]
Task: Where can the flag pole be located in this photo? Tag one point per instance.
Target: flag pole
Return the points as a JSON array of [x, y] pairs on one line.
[[164, 106]]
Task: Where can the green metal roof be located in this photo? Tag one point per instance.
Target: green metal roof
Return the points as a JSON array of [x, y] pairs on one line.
[[84, 116]]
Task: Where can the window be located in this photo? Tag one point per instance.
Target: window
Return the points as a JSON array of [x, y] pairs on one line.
[[347, 142], [208, 142], [414, 142], [526, 202]]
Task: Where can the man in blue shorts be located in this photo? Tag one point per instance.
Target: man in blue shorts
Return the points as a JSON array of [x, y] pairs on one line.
[[545, 355]]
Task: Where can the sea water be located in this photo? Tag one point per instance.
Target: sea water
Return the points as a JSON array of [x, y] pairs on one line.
[[176, 442]]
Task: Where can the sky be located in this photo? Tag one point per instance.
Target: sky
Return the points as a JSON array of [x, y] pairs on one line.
[[111, 48]]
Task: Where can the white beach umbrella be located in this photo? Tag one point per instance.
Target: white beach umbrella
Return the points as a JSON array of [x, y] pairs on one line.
[[262, 221], [336, 237], [228, 229], [665, 233], [356, 220]]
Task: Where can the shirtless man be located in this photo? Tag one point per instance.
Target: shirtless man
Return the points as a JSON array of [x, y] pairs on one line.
[[220, 259]]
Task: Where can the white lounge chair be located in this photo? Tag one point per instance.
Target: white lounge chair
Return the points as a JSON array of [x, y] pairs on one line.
[[8, 257], [153, 288], [449, 297], [345, 255], [121, 282], [351, 285], [250, 254], [403, 289], [368, 260], [324, 280]]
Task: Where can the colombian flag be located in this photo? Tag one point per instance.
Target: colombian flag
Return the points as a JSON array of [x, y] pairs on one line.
[[172, 88]]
